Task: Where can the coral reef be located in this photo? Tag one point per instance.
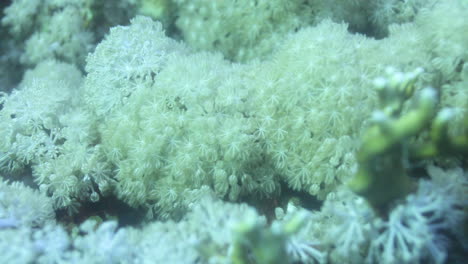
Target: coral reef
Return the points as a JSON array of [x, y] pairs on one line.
[[233, 131]]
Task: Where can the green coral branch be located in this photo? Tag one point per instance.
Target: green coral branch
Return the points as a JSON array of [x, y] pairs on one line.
[[382, 177], [441, 142], [386, 151]]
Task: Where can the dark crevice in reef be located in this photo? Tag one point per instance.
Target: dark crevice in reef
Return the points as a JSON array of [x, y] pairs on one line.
[[107, 208], [266, 205], [304, 199], [4, 4]]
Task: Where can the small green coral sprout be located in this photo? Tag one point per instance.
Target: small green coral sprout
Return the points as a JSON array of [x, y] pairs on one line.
[[383, 155], [161, 10], [256, 243]]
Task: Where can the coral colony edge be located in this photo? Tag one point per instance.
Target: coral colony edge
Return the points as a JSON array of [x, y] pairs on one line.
[[234, 131]]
